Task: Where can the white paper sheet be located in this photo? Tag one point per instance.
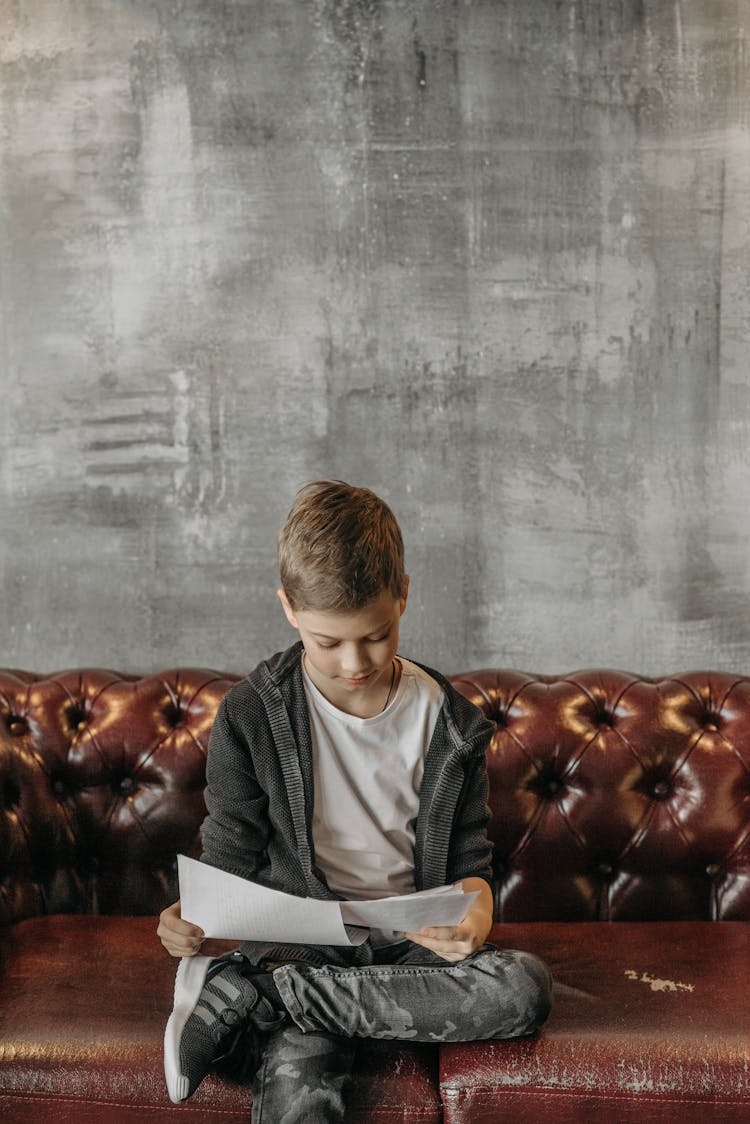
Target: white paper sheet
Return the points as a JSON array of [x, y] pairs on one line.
[[232, 908], [445, 905]]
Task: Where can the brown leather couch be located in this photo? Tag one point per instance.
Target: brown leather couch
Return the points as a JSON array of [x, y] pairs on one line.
[[621, 822]]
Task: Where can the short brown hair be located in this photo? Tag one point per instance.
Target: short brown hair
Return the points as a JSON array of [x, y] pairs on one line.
[[339, 548]]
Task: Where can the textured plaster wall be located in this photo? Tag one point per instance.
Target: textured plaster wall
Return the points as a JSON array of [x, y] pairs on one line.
[[489, 257]]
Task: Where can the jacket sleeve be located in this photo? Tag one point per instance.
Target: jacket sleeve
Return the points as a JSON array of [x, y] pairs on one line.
[[470, 849], [235, 832]]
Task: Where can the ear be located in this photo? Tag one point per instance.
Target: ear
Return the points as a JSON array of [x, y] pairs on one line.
[[288, 610], [405, 593]]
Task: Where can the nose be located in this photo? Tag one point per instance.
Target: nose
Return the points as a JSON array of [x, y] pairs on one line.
[[358, 674], [354, 665]]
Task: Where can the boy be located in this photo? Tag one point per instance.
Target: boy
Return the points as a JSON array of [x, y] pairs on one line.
[[339, 769]]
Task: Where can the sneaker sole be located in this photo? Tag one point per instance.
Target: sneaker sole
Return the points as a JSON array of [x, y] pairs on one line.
[[191, 975]]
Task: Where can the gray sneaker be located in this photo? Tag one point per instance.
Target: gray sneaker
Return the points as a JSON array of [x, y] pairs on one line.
[[215, 1003]]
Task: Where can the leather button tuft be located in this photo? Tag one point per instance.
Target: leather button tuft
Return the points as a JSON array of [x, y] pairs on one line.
[[17, 726], [11, 794], [126, 786], [713, 869], [58, 787], [605, 869], [77, 717], [661, 789], [546, 784], [173, 715]]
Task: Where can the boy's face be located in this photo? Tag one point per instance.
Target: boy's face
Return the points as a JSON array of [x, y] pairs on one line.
[[349, 655]]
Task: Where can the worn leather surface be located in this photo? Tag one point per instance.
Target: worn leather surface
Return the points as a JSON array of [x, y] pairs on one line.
[[84, 1002], [650, 1023]]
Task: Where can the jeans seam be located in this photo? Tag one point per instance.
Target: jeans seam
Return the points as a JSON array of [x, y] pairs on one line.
[[289, 999], [260, 1085], [385, 972]]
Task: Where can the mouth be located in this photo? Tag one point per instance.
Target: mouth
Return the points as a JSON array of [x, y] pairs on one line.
[[359, 681]]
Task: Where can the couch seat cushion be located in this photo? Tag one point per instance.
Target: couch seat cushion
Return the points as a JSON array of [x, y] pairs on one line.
[[83, 1005], [651, 1022]]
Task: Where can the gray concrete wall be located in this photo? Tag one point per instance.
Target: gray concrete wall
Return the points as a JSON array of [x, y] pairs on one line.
[[489, 257]]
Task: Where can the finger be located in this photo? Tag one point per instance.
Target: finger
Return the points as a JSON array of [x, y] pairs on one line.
[[177, 948], [188, 931], [450, 954], [441, 935], [179, 926], [172, 918], [455, 949], [180, 953], [183, 943], [442, 932], [179, 930], [459, 948]]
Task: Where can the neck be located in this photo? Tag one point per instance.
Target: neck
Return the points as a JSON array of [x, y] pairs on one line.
[[368, 706]]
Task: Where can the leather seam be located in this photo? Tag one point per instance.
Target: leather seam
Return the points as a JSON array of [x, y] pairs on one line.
[[50, 1098], [582, 1094]]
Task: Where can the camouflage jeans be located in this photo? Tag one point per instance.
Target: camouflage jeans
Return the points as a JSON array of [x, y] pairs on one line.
[[411, 995]]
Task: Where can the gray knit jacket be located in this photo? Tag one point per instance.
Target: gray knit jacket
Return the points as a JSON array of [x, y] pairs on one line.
[[259, 792]]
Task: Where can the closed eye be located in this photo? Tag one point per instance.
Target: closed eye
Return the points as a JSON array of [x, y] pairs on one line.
[[368, 640]]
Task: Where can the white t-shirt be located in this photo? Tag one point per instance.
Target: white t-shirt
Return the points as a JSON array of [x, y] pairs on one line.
[[368, 773]]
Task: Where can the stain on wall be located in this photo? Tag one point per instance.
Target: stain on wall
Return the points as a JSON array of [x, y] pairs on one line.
[[486, 256]]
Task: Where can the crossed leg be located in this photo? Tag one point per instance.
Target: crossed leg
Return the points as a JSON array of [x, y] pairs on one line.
[[413, 996]]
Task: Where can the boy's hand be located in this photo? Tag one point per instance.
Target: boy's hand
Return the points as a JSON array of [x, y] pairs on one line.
[[180, 938], [456, 942]]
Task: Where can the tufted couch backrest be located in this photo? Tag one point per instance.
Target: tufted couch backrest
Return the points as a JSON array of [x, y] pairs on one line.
[[101, 785], [618, 798], [613, 797]]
